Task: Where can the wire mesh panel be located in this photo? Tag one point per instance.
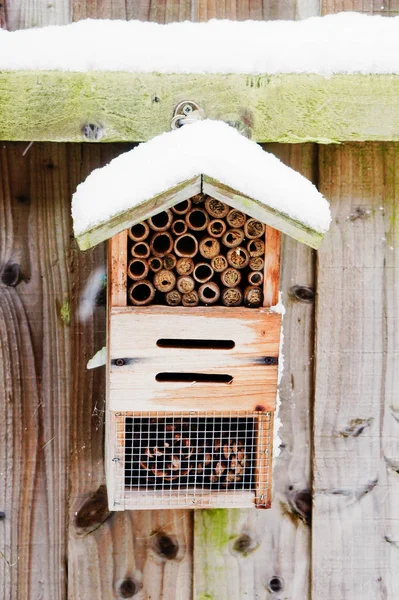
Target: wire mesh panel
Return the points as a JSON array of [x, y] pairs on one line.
[[168, 460]]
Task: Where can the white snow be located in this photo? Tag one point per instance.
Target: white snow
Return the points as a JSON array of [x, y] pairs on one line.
[[342, 43], [207, 147]]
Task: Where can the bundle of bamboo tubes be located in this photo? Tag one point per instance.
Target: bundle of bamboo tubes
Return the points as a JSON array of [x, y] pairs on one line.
[[201, 252]]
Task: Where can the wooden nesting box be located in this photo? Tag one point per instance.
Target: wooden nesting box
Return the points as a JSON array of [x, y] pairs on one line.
[[193, 340], [192, 389]]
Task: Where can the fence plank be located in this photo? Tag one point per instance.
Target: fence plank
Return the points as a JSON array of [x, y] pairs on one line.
[[23, 14], [239, 554], [356, 520], [35, 342]]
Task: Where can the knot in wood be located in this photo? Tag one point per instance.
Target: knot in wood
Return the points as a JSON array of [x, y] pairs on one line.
[[128, 588], [165, 546], [302, 293]]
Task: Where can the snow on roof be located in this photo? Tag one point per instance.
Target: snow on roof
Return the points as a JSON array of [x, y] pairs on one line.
[[342, 43], [207, 147]]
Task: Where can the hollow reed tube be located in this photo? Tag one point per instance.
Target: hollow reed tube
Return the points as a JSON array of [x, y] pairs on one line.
[[186, 245], [197, 219], [209, 292], [185, 266], [141, 292], [161, 244], [190, 299], [219, 263], [235, 218], [209, 247], [255, 278], [138, 269], [231, 297], [139, 232], [173, 298], [164, 280], [182, 207], [253, 296], [238, 257], [216, 208], [216, 228], [202, 272], [162, 221], [254, 229], [141, 250], [230, 277], [233, 238]]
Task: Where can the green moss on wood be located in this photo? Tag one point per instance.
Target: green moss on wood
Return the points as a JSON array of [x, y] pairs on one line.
[[76, 107]]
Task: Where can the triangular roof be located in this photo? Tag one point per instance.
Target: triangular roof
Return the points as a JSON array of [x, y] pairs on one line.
[[209, 157]]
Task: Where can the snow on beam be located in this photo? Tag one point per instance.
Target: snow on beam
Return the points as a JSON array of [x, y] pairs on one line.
[[208, 156]]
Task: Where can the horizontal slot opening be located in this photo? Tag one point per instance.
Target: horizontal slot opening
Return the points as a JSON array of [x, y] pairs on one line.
[[198, 344], [194, 377]]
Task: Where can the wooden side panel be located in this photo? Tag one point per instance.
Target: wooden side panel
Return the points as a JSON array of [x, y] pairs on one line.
[[266, 553], [356, 451], [271, 283], [117, 269], [144, 375]]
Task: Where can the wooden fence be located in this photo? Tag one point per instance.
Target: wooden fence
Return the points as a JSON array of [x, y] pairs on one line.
[[333, 530]]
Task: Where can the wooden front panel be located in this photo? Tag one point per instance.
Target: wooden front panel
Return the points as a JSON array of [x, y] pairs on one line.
[[149, 373]]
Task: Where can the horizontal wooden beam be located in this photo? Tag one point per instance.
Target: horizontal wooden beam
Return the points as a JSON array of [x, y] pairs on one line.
[[97, 106]]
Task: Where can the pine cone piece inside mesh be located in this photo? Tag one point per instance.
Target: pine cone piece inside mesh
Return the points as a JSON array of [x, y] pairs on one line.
[[167, 451], [230, 459]]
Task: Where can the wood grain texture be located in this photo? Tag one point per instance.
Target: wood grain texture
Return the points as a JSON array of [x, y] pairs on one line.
[[240, 10], [372, 7], [35, 341], [117, 269], [160, 11], [109, 555], [356, 452], [22, 14], [271, 282], [120, 106], [134, 333], [248, 554]]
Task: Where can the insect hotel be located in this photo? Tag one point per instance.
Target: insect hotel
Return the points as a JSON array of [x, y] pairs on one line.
[[193, 221]]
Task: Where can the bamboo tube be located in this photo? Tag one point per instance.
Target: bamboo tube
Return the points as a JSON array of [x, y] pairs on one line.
[[179, 227], [185, 284], [164, 280], [233, 237], [255, 278], [161, 244], [236, 218], [173, 298], [141, 292], [185, 266], [162, 221], [253, 296], [182, 207], [197, 219], [230, 277], [219, 263], [238, 257], [155, 264], [186, 245], [254, 229], [256, 247], [169, 262], [190, 299], [216, 228], [256, 263], [216, 208], [209, 247], [138, 269], [141, 250], [231, 297], [199, 198], [209, 293], [139, 232], [203, 272]]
